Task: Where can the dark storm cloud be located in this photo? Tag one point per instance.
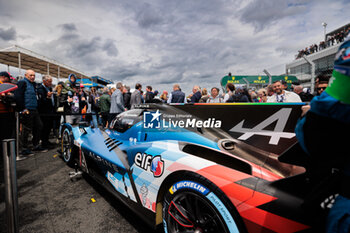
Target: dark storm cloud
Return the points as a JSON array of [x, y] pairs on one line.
[[74, 47], [148, 16], [68, 27], [262, 13], [121, 71], [110, 48], [8, 34], [82, 46]]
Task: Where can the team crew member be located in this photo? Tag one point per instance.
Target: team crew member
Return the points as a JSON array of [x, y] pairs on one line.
[[328, 122]]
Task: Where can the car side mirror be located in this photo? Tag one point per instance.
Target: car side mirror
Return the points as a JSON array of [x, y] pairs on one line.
[[83, 124]]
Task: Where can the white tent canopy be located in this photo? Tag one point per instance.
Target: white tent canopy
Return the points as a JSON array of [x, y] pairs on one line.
[[22, 58]]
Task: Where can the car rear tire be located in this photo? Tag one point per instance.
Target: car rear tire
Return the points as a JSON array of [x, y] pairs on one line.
[[194, 204]]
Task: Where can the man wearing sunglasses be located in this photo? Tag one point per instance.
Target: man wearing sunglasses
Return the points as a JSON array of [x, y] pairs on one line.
[[321, 83]]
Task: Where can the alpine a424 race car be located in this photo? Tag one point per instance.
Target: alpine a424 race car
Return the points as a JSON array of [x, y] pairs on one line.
[[187, 175]]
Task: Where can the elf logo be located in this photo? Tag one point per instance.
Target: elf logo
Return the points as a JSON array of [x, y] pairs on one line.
[[155, 164]]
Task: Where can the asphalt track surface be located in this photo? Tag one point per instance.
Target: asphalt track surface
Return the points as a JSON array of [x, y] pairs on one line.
[[50, 202]]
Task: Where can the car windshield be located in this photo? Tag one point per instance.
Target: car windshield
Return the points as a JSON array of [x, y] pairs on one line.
[[126, 120]]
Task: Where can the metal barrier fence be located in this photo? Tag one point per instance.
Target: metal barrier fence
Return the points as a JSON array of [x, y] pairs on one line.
[[10, 178], [10, 152]]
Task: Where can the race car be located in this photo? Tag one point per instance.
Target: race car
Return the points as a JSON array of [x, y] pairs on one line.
[[184, 174]]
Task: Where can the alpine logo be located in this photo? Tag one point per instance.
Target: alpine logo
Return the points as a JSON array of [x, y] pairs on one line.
[[281, 117], [154, 163]]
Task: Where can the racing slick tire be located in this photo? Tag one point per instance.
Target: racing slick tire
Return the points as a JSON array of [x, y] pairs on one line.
[[68, 150], [194, 204]]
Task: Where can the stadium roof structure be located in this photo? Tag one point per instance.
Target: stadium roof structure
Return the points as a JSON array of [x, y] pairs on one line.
[[22, 58]]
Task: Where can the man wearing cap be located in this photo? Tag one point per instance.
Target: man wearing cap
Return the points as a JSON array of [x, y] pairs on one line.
[[27, 104], [323, 134], [5, 77]]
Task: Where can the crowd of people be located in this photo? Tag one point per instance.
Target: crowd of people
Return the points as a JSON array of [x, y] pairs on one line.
[[43, 107], [322, 121], [330, 41]]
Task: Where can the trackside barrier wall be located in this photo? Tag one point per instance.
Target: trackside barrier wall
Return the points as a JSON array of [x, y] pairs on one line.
[[10, 177]]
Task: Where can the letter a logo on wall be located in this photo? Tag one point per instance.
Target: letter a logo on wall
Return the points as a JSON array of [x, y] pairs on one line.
[[151, 120], [281, 117]]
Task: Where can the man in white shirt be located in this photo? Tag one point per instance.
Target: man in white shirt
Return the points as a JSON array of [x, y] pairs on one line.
[[282, 96], [215, 98]]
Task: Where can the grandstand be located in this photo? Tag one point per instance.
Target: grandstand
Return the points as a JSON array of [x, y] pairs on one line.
[[307, 66], [21, 58]]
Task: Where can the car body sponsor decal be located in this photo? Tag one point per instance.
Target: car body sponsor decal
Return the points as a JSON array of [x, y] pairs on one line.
[[223, 211], [155, 164]]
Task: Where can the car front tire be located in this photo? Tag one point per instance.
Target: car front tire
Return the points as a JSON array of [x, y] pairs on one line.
[[194, 204]]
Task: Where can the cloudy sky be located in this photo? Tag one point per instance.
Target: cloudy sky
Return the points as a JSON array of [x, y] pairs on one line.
[[160, 43]]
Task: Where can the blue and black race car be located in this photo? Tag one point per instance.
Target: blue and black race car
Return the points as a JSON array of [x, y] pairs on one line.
[[186, 174]]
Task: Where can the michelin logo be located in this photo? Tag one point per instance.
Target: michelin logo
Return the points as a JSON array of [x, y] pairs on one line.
[[190, 185]]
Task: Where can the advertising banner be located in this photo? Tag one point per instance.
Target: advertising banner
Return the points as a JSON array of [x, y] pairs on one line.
[[268, 126], [259, 80]]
